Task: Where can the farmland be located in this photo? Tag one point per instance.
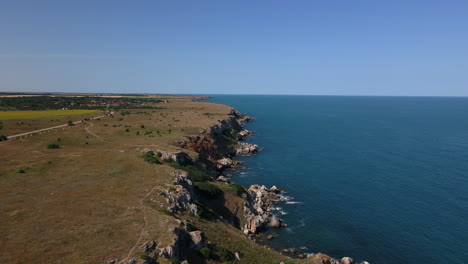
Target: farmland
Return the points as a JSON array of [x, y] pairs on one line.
[[20, 115]]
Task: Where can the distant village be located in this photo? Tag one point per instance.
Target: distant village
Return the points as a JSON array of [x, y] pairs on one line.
[[63, 102]]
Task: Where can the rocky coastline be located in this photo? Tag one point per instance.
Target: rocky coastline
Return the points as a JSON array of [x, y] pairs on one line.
[[217, 148], [259, 199]]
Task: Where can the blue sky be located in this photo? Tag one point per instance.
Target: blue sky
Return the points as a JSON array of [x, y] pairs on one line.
[[329, 47]]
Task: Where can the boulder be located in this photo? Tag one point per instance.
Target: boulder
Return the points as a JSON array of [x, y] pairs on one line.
[[275, 222], [222, 179], [197, 238], [346, 260]]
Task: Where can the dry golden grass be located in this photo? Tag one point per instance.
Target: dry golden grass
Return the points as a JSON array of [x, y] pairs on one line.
[[85, 202]]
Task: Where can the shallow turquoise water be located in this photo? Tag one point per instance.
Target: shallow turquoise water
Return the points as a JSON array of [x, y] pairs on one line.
[[382, 179]]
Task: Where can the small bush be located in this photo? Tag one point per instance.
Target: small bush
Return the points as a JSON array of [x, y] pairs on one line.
[[3, 138], [127, 130], [172, 189], [208, 189], [239, 189], [205, 213], [169, 160], [166, 212], [151, 158], [142, 126], [70, 123], [143, 256], [206, 253], [175, 261], [53, 146], [224, 254], [194, 173], [159, 154], [191, 227], [21, 171]]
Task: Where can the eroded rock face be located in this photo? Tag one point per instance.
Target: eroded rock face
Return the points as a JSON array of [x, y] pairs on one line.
[[257, 209], [181, 198], [215, 145]]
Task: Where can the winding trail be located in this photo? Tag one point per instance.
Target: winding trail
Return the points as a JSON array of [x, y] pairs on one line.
[[94, 134], [144, 226]]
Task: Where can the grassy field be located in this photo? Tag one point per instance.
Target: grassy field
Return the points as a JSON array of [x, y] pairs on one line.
[[20, 115], [85, 202]]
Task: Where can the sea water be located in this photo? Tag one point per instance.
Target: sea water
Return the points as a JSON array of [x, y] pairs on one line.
[[382, 179]]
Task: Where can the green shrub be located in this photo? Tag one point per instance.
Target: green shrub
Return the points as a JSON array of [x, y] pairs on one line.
[[224, 254], [175, 261], [194, 173], [209, 190], [206, 253], [165, 211], [70, 123], [151, 158], [239, 189], [159, 154], [3, 138], [191, 227], [205, 213], [53, 146], [142, 126], [169, 160], [144, 256], [21, 171]]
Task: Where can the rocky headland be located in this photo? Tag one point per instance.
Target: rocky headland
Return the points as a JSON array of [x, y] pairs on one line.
[[216, 149]]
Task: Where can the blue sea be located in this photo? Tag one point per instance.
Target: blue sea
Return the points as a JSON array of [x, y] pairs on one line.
[[382, 179]]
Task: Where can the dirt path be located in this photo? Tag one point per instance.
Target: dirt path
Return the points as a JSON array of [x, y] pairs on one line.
[[93, 134], [49, 128], [143, 208]]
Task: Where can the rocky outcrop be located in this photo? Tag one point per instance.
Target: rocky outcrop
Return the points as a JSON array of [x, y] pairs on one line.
[[181, 196], [257, 209], [217, 145], [246, 149], [226, 163], [197, 239], [346, 260], [177, 156]]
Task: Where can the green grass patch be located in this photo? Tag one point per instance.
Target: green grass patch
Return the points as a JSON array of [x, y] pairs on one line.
[[194, 173]]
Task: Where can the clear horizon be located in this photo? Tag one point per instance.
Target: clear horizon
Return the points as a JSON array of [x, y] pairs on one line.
[[359, 48]]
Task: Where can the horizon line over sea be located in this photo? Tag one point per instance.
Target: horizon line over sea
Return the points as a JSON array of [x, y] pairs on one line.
[[376, 178], [229, 94]]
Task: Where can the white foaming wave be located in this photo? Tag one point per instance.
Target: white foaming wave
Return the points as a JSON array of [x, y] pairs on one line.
[[293, 202]]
